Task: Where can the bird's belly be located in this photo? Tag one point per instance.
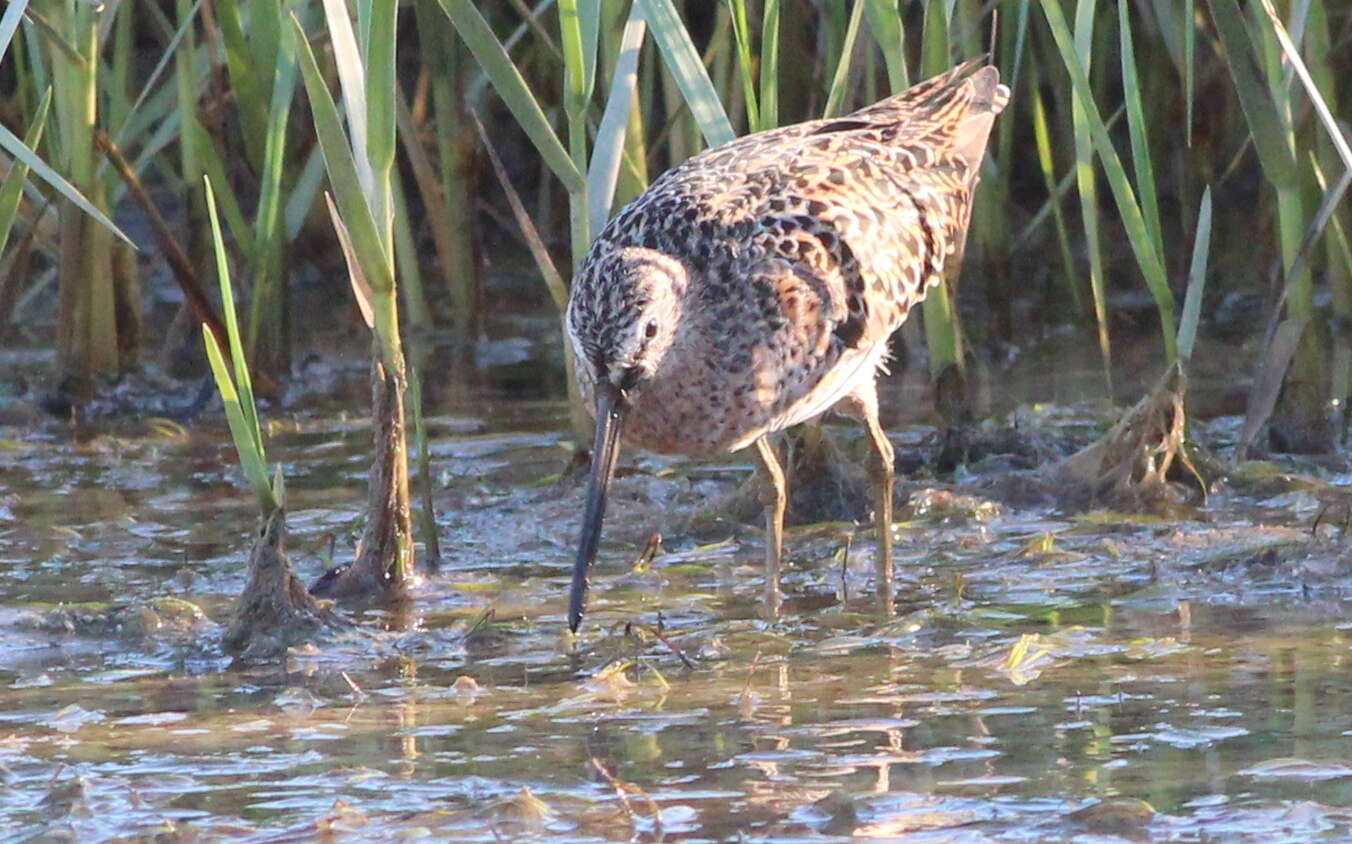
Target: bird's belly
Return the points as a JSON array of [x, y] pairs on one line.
[[693, 428]]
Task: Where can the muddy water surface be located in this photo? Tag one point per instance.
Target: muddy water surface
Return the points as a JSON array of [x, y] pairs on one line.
[[1048, 677]]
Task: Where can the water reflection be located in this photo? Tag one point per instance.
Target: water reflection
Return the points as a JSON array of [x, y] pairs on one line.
[[1048, 677]]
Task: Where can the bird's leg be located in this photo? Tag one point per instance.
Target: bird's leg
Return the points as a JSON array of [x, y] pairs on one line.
[[865, 408], [774, 495]]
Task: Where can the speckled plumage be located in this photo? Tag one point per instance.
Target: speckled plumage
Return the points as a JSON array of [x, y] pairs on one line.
[[755, 286], [794, 255]]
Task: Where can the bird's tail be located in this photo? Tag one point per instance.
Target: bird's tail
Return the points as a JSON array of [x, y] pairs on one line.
[[954, 110], [987, 99]]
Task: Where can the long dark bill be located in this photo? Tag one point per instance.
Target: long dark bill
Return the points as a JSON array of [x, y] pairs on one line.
[[610, 407]]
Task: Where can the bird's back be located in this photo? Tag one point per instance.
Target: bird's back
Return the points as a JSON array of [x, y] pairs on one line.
[[807, 246]]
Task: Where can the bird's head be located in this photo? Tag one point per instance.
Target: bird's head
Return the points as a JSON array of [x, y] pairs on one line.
[[623, 316], [622, 319]]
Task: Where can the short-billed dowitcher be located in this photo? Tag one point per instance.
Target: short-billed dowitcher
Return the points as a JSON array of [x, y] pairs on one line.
[[755, 286]]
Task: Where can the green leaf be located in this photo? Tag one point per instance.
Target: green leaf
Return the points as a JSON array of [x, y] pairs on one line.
[[604, 170], [250, 461], [742, 36], [884, 21], [512, 88], [352, 83], [40, 168], [347, 186], [684, 63], [1136, 126], [11, 189], [840, 82], [242, 380], [1138, 235], [1265, 125], [381, 82], [9, 22], [237, 392], [769, 67], [1192, 302]]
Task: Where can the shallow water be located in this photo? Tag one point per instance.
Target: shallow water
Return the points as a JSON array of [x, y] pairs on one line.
[[1047, 678]]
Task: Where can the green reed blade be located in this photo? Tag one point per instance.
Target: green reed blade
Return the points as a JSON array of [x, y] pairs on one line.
[[348, 187], [348, 61], [1255, 98], [769, 65], [1042, 137], [25, 155], [1136, 127], [237, 390], [1138, 234], [840, 82], [304, 192], [250, 62], [1317, 100], [242, 381], [742, 34], [1087, 182], [512, 88], [379, 69], [1192, 302], [688, 71], [9, 22], [11, 189], [934, 41], [604, 171], [884, 21]]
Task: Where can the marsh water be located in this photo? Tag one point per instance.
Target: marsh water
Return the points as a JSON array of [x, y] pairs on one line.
[[1048, 676]]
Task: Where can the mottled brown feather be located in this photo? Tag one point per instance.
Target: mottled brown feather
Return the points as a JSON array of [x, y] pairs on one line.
[[771, 270]]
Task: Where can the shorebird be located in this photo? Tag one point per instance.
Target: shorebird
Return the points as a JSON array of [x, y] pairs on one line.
[[755, 286]]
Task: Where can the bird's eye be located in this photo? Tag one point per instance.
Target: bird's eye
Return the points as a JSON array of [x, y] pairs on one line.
[[650, 331]]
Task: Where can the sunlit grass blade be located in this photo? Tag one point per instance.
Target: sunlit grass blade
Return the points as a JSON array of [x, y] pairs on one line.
[[25, 155], [1138, 236], [242, 380], [683, 61], [578, 39], [1042, 137], [1192, 301], [236, 389], [361, 289], [381, 84], [1265, 125], [342, 170], [840, 82], [604, 170], [934, 41], [884, 21], [351, 83], [1087, 182], [769, 65], [512, 88], [742, 33], [1136, 127], [9, 22], [11, 189], [1321, 107]]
